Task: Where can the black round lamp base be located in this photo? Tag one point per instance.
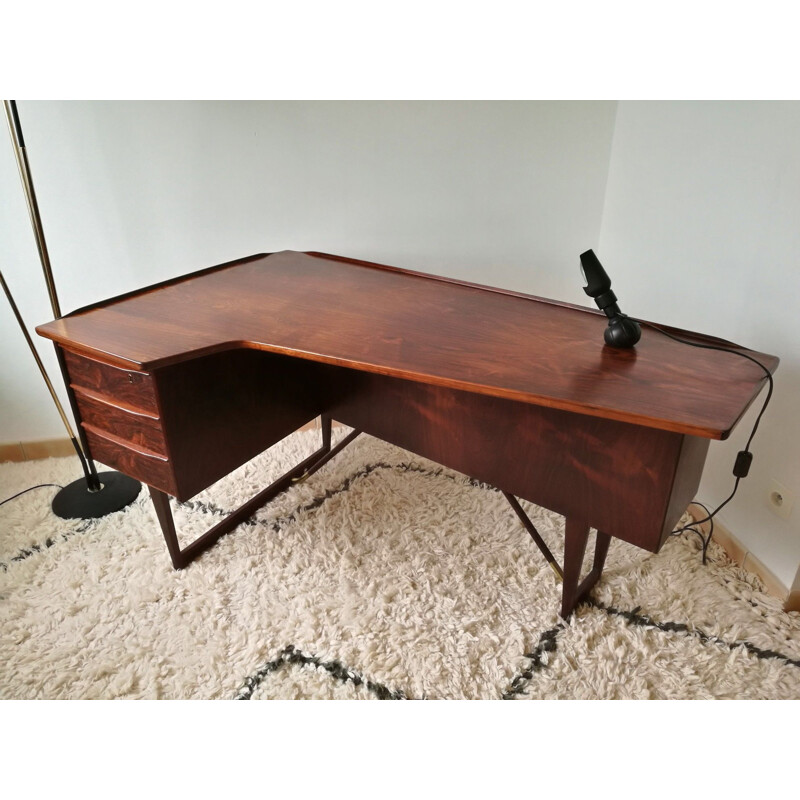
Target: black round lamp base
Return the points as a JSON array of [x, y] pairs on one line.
[[75, 501]]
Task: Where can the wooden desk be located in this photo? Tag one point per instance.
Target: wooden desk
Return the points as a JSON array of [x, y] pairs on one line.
[[180, 383]]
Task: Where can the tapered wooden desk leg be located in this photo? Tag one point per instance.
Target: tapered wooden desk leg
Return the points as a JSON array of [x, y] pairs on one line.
[[164, 514], [574, 590], [325, 425]]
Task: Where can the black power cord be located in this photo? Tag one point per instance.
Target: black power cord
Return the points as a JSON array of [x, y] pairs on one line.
[[744, 458], [29, 489], [706, 540], [624, 331]]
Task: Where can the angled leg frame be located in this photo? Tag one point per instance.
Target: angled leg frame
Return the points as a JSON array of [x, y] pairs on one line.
[[182, 557], [577, 534]]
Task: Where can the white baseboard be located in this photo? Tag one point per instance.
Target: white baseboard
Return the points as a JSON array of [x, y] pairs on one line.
[[738, 552]]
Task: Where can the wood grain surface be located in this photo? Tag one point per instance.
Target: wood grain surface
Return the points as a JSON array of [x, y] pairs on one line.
[[631, 481], [422, 328]]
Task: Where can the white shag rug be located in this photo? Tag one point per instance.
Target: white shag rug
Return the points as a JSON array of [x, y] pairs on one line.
[[382, 576]]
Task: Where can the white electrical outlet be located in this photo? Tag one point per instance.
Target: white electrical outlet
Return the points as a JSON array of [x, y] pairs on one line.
[[780, 499]]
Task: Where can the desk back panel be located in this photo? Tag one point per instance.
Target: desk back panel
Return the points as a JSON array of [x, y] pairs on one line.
[[576, 465]]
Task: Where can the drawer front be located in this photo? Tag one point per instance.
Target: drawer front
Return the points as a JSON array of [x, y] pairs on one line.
[[150, 469], [127, 387], [140, 429]]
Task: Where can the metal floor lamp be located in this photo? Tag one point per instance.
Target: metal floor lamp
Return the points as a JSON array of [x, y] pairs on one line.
[[96, 494]]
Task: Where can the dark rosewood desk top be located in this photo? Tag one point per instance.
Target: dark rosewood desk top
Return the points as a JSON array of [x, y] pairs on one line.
[[422, 328]]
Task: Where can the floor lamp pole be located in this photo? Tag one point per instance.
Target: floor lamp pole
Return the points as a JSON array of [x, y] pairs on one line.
[[94, 495], [21, 155]]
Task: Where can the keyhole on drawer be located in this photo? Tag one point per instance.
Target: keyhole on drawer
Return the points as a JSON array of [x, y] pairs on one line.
[[130, 378]]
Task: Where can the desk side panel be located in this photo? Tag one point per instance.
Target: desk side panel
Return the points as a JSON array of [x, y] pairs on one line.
[[614, 476], [688, 472], [220, 411]]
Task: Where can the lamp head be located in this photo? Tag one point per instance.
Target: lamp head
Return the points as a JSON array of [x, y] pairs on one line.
[[594, 276]]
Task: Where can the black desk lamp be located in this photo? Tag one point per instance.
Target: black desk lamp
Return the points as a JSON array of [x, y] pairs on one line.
[[622, 331]]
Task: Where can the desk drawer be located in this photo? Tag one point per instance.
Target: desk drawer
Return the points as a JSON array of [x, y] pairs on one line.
[[141, 429], [150, 468], [123, 386]]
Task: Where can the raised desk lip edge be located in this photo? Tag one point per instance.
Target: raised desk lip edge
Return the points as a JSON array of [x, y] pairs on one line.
[[419, 377]]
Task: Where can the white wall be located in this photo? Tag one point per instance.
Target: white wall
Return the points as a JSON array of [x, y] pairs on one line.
[[701, 229], [699, 222], [132, 193]]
